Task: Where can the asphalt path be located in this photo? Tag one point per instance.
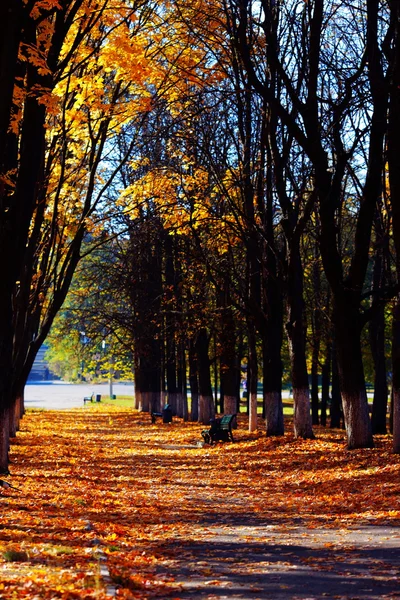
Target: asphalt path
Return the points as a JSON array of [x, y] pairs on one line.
[[63, 395], [60, 395], [253, 561]]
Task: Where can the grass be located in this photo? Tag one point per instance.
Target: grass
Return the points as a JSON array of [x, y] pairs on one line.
[[12, 555], [128, 402], [122, 401]]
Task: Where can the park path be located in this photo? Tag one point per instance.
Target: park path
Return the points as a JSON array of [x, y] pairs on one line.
[[62, 395], [251, 520]]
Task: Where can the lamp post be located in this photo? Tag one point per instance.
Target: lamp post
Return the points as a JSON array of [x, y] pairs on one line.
[[111, 377], [111, 370], [83, 340]]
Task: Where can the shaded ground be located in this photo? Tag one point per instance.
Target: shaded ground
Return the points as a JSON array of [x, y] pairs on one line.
[[275, 518], [256, 562]]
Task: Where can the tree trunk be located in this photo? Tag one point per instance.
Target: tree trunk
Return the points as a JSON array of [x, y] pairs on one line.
[[395, 401], [170, 327], [326, 376], [148, 375], [297, 346], [193, 382], [206, 401], [228, 360], [14, 418], [252, 377], [182, 389], [146, 271], [6, 365], [316, 339], [314, 390], [393, 158], [206, 408], [272, 378], [136, 369], [380, 402], [215, 370], [377, 329], [391, 411], [396, 421], [4, 438], [174, 401], [145, 401], [336, 401], [221, 391], [238, 376], [11, 23], [351, 374], [19, 408], [271, 338]]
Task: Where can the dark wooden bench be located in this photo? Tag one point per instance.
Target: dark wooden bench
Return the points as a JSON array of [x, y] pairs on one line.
[[165, 414], [88, 398], [220, 430], [154, 416]]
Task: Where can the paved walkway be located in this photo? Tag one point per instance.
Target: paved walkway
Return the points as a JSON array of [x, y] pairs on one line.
[[254, 562], [59, 395]]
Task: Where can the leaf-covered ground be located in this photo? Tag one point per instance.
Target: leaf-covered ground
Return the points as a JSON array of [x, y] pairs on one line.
[[110, 505]]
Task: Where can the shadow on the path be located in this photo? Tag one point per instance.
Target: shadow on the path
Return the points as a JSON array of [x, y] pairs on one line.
[[236, 568]]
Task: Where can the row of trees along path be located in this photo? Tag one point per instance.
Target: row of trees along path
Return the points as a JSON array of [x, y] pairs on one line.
[[238, 161]]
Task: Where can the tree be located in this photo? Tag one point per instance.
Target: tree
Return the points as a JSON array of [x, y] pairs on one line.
[[38, 31], [53, 134], [393, 154], [316, 104]]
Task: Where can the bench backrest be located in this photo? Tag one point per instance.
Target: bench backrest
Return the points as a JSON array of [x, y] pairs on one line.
[[226, 421]]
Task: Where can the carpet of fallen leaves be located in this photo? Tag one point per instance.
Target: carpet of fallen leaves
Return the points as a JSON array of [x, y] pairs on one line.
[[110, 505]]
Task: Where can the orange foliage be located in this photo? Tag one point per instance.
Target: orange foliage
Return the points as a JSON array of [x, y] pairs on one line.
[[103, 485]]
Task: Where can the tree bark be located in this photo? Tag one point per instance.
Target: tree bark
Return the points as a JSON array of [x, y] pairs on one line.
[[4, 438], [326, 376], [11, 23], [272, 379], [297, 346], [193, 382], [393, 157], [351, 374], [16, 413], [271, 331], [336, 400], [136, 369], [182, 388], [206, 401], [228, 354], [377, 342], [252, 377], [395, 399], [170, 327], [316, 337]]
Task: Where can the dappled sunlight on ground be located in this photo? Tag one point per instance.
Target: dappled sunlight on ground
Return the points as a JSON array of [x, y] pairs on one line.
[[178, 520]]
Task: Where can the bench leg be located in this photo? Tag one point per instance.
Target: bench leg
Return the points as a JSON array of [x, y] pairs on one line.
[[206, 437]]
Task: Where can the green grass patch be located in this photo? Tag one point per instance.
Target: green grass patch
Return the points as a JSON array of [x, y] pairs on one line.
[[12, 555], [123, 401]]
